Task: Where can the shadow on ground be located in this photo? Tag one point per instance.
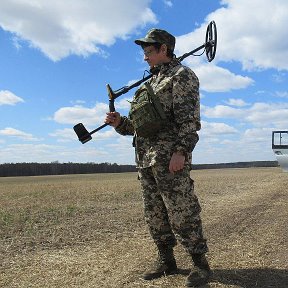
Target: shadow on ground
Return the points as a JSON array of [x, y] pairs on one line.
[[250, 278]]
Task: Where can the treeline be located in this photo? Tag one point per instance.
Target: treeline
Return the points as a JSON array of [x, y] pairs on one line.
[[236, 165], [56, 168]]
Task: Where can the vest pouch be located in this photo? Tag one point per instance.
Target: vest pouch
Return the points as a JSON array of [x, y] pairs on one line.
[[146, 113]]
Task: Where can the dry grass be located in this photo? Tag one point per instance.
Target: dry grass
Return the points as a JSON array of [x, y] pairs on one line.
[[88, 230]]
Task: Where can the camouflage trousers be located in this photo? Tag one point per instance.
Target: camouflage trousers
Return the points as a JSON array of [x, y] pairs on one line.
[[171, 209]]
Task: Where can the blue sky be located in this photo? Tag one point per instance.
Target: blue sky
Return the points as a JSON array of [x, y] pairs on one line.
[[56, 58]]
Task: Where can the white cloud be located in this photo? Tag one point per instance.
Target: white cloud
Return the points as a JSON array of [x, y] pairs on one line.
[[43, 153], [168, 3], [75, 114], [243, 143], [19, 134], [68, 135], [259, 114], [282, 94], [211, 129], [237, 102], [88, 116], [253, 144], [22, 153], [8, 98], [280, 77], [64, 135], [124, 103], [122, 150], [257, 40], [254, 135], [216, 79], [266, 114], [61, 28], [222, 111]]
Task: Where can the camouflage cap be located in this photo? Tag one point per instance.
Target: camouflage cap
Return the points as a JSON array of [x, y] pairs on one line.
[[158, 36]]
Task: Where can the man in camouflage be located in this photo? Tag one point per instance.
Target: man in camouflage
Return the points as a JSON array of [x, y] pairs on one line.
[[171, 208]]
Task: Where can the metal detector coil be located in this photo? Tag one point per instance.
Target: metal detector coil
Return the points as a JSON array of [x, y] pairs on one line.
[[211, 41]]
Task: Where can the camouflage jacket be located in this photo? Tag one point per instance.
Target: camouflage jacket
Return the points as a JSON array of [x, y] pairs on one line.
[[178, 90]]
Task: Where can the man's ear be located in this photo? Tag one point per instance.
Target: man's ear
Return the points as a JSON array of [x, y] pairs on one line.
[[163, 48]]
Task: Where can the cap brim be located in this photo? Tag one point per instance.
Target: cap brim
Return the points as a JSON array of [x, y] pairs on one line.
[[144, 40]]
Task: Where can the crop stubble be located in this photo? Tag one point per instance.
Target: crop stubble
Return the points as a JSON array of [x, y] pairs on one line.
[[88, 230]]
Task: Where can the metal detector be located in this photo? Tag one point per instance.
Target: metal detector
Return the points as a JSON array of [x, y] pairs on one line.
[[209, 47]]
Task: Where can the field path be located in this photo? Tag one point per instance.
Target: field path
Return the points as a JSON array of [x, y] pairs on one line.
[[88, 230]]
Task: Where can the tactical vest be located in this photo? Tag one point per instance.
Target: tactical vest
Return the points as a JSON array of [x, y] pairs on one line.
[[146, 113]]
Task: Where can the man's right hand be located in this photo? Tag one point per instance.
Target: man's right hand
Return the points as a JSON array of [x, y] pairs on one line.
[[113, 119]]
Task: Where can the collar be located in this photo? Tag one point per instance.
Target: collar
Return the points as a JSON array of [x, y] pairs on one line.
[[164, 66]]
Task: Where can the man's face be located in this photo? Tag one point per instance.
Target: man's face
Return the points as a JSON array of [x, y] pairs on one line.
[[154, 57]]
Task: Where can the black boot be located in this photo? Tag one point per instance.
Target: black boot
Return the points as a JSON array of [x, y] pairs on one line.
[[165, 264], [200, 273]]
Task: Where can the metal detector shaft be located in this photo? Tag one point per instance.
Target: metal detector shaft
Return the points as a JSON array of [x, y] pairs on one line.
[[191, 52]]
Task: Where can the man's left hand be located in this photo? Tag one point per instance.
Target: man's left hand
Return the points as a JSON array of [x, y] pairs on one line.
[[177, 162]]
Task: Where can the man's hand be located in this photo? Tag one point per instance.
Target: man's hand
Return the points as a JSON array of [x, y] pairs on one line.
[[177, 162], [113, 119]]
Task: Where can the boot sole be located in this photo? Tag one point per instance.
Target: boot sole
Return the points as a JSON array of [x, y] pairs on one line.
[[159, 275]]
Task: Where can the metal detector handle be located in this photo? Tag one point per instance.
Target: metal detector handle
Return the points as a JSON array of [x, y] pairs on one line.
[[112, 96], [82, 133]]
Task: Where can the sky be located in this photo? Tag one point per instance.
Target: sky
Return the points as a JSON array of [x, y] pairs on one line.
[[56, 58]]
